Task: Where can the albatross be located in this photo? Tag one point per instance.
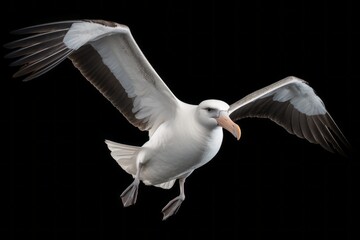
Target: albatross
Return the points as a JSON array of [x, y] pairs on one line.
[[182, 136]]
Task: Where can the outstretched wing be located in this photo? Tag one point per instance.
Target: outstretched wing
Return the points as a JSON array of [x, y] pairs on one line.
[[108, 56], [293, 104]]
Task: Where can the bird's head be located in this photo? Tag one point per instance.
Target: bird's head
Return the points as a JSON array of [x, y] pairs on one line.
[[213, 113]]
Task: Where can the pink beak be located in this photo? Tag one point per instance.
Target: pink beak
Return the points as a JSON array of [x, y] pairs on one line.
[[225, 121]]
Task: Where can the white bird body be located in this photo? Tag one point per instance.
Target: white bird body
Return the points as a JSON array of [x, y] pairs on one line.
[[182, 137], [176, 148]]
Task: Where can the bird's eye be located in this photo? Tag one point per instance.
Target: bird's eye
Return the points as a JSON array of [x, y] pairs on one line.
[[208, 109]]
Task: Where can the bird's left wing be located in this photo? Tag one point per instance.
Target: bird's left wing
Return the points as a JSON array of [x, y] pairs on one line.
[[108, 56], [293, 104]]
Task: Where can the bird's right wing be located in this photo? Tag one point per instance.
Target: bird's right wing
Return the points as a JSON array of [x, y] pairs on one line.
[[108, 56]]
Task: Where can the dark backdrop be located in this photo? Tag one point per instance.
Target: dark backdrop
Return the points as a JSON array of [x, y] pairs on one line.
[[58, 179]]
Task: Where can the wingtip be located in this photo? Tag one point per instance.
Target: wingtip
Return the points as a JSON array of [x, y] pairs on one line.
[[347, 152]]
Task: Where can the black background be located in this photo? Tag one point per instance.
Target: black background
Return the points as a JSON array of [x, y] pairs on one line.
[[58, 179]]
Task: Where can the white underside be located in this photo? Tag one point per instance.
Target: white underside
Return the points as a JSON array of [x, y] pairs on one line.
[[174, 150]]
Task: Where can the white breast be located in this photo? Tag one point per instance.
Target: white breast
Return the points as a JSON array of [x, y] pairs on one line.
[[175, 150]]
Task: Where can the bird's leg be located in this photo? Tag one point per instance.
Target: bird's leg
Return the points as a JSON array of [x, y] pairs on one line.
[[129, 195], [173, 206]]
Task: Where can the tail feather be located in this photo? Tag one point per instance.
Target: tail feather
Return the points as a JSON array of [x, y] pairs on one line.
[[124, 155]]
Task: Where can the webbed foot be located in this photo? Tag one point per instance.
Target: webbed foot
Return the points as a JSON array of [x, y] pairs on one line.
[[172, 207], [129, 195]]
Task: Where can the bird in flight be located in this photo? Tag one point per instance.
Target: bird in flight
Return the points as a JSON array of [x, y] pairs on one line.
[[182, 136]]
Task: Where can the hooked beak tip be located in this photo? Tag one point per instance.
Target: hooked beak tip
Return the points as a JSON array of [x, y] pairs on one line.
[[228, 124], [237, 132]]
